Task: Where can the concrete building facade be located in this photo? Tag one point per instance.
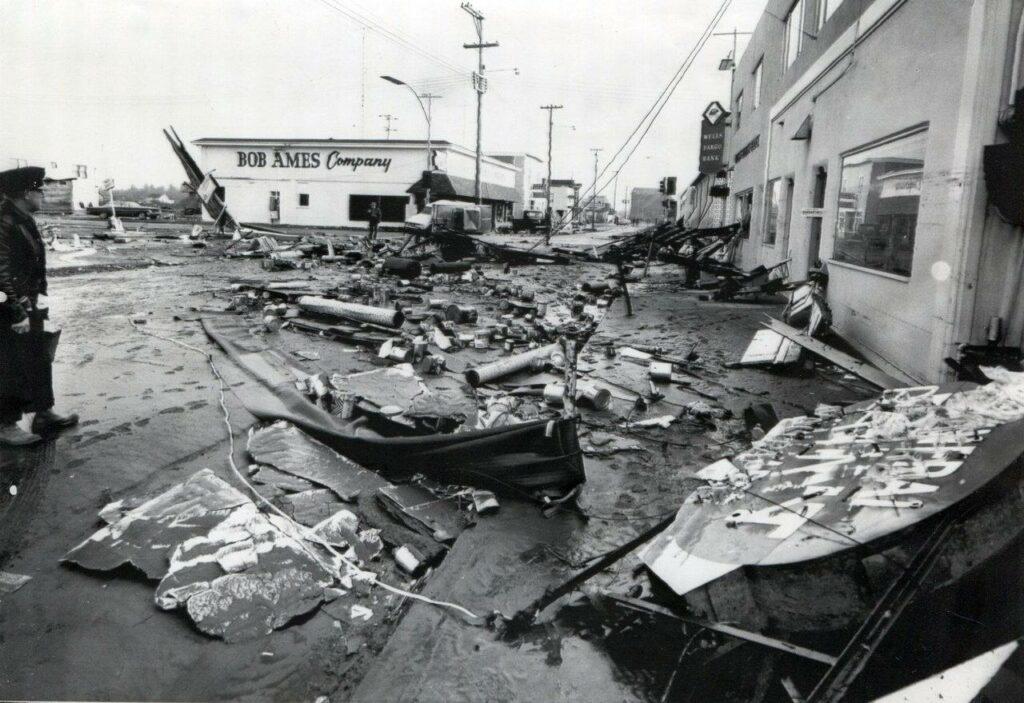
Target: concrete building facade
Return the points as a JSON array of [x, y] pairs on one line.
[[857, 141], [332, 182], [529, 170]]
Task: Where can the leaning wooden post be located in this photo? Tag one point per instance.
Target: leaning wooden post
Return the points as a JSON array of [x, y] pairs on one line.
[[625, 290]]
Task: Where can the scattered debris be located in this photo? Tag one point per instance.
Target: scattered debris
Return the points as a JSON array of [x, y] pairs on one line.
[[10, 582]]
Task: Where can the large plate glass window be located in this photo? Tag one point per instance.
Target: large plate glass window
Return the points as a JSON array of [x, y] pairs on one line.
[[879, 198], [392, 207]]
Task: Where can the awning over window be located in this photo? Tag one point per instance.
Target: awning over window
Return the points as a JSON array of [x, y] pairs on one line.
[[803, 132], [443, 185]]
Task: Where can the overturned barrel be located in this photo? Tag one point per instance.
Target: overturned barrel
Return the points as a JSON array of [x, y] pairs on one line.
[[401, 267], [387, 317], [460, 313], [451, 267], [504, 367]]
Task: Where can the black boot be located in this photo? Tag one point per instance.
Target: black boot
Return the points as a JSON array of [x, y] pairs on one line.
[[47, 421]]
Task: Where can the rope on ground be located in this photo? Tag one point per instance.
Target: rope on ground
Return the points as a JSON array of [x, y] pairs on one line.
[[300, 528]]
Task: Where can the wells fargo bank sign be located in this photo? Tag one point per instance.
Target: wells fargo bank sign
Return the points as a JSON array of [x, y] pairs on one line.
[[309, 160]]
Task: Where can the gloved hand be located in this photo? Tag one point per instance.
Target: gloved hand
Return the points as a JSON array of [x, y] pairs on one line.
[[21, 327]]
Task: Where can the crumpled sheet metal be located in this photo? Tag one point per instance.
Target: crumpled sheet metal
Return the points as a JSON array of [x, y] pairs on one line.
[[519, 460], [146, 536], [287, 448], [883, 467], [237, 572], [422, 511]]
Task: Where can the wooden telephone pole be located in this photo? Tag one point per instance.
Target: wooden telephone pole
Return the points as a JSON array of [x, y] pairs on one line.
[[547, 191], [479, 83]]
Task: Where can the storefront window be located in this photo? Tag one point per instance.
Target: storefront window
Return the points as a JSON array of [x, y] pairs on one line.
[[879, 200], [772, 203], [392, 207]]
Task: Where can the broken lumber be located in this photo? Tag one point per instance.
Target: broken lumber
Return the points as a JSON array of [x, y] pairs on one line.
[[855, 366]]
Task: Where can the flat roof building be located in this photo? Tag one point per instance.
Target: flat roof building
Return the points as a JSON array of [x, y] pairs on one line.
[[332, 182]]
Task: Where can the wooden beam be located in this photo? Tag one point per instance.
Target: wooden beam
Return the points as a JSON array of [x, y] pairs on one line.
[[855, 366]]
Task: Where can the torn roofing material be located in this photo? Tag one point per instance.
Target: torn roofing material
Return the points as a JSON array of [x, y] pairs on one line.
[[146, 536], [517, 460], [237, 572], [246, 577]]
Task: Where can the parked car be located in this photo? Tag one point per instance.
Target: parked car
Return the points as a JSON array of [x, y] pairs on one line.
[[531, 221], [125, 209]]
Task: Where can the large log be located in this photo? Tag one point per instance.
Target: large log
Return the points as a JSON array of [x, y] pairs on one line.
[[351, 311]]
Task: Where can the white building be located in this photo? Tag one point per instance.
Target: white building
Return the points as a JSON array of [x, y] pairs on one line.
[[70, 187], [332, 182], [564, 197], [529, 171]]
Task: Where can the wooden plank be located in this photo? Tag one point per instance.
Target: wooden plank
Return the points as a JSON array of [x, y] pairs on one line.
[[763, 348], [756, 638], [855, 366]]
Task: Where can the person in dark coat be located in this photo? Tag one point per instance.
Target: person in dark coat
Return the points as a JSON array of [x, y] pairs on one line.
[[26, 382], [374, 217]]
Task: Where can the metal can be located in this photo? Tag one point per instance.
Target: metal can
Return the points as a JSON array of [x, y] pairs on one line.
[[660, 371]]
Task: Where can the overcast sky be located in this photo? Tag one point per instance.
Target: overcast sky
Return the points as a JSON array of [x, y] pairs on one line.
[[93, 81]]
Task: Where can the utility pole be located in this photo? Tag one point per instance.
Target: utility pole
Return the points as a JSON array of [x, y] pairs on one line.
[[388, 119], [615, 197], [593, 212], [479, 84], [547, 194]]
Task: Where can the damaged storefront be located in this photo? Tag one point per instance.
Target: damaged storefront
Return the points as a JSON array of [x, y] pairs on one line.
[[859, 152]]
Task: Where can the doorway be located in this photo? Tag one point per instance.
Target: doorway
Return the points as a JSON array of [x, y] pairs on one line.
[[818, 203]]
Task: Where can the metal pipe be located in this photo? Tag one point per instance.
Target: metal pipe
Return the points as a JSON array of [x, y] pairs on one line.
[[504, 367], [352, 311]]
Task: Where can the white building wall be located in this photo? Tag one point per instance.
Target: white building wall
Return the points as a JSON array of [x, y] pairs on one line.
[[249, 172]]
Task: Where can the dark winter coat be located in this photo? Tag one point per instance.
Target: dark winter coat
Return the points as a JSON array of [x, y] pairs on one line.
[[22, 262]]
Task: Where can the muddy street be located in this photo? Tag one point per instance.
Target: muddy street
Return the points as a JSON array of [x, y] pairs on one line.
[[152, 417]]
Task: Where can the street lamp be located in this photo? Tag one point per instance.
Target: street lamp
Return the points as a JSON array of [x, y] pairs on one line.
[[426, 115]]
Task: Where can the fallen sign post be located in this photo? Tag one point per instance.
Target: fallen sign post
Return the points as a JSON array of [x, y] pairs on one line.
[[855, 366], [525, 617], [738, 633]]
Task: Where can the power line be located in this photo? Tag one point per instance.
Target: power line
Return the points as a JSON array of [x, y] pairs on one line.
[[388, 119], [659, 104], [387, 33]]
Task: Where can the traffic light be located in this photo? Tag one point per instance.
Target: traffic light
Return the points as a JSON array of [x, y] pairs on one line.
[[670, 185]]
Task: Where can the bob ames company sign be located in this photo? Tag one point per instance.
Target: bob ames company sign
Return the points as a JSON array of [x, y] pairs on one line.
[[309, 160]]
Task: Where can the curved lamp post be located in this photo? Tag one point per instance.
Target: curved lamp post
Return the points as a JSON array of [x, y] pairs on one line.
[[426, 115]]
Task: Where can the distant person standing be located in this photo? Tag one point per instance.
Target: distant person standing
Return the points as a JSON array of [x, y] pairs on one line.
[[26, 349], [373, 215]]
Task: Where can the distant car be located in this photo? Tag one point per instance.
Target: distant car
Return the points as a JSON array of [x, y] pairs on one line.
[[125, 209]]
